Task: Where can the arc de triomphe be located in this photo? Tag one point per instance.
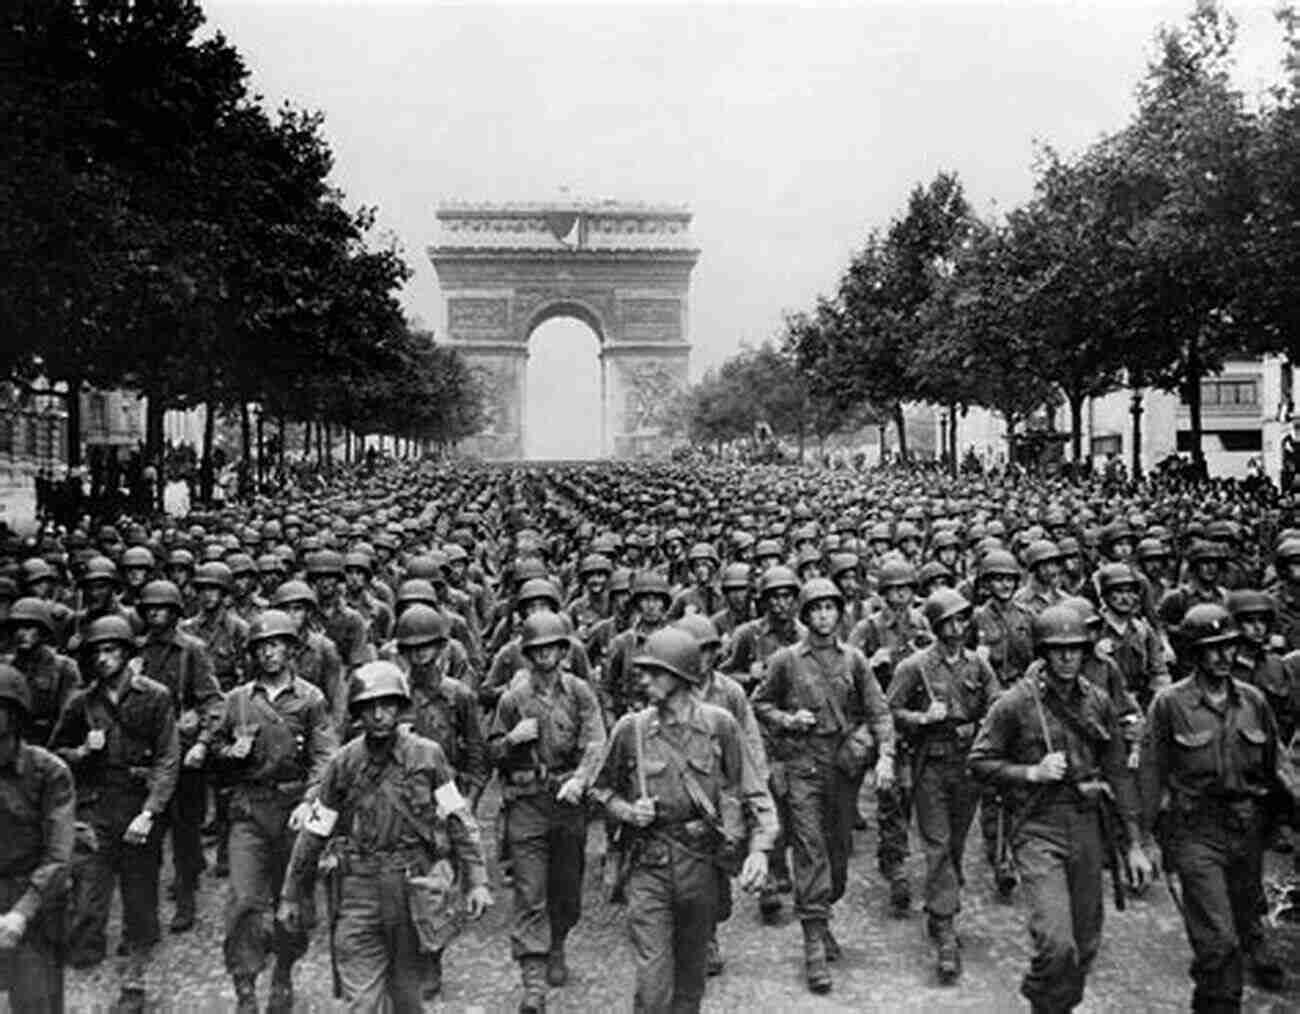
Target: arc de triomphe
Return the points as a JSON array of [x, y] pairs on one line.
[[623, 269]]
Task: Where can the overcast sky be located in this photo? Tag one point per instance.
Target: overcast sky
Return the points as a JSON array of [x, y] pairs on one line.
[[789, 131]]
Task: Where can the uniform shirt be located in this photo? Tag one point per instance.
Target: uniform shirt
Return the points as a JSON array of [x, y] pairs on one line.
[[453, 657], [377, 614], [1138, 651], [294, 738], [571, 733], [1175, 602], [703, 599], [757, 641], [140, 743], [1200, 749], [85, 617], [1287, 598], [248, 608], [965, 683], [37, 812], [900, 632], [225, 634], [834, 683], [585, 612], [446, 711], [181, 663], [51, 680], [1006, 629], [1023, 726], [708, 739], [510, 660], [355, 787], [317, 661], [620, 692], [723, 692], [349, 631], [1035, 598]]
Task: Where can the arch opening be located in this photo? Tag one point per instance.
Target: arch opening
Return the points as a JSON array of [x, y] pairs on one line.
[[562, 402]]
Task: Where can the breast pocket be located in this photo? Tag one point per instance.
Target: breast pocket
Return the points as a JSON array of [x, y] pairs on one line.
[[1251, 744], [702, 755], [1196, 752]]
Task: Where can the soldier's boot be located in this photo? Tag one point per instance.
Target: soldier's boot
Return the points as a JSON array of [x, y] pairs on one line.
[[815, 970], [245, 994], [833, 952], [900, 895], [1005, 879], [432, 987], [713, 962], [769, 901], [947, 951], [183, 917], [281, 999], [1266, 966], [532, 971], [557, 969]]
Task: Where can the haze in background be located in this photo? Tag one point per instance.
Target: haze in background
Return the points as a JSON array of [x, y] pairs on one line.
[[791, 132]]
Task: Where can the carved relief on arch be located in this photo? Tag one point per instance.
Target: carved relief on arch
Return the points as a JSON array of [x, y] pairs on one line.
[[594, 307]]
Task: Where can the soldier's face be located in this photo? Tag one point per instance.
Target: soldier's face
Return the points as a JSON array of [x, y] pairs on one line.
[[1064, 660], [1048, 573], [546, 657], [273, 655], [98, 593], [898, 596], [356, 579], [158, 618], [210, 597], [1216, 659], [108, 660], [456, 571], [179, 575], [1121, 549], [136, 577], [849, 584], [298, 612], [1072, 565], [43, 589], [1122, 599], [703, 571], [1002, 586], [947, 556], [1254, 628], [325, 585], [952, 631], [708, 656], [27, 636], [810, 570], [424, 654], [656, 684], [780, 603], [822, 617], [244, 585], [1207, 571], [596, 582], [651, 608], [379, 717]]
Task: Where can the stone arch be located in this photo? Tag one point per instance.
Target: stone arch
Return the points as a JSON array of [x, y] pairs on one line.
[[622, 269]]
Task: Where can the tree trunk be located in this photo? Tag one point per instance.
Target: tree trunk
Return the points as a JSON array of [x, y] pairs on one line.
[[284, 437], [1076, 427], [329, 445], [245, 449], [952, 441], [153, 444], [1135, 410], [883, 433], [261, 447], [1194, 373], [205, 455], [72, 453], [901, 425]]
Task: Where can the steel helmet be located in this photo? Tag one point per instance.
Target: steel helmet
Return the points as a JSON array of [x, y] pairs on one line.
[[703, 551], [359, 561], [620, 580], [881, 531], [595, 563], [539, 588], [1204, 549], [906, 531], [673, 650], [325, 563], [1084, 607], [1041, 551], [99, 568], [109, 628], [420, 624], [1287, 551], [945, 538], [180, 558], [943, 604], [240, 563], [37, 569], [1208, 623], [31, 612], [1116, 531], [842, 563], [933, 571], [542, 629], [271, 623], [271, 563], [159, 594], [998, 562], [651, 582], [701, 628], [526, 568], [819, 589], [1241, 602], [896, 574], [735, 576], [214, 575], [416, 590], [291, 592], [1154, 549], [776, 578], [1060, 626], [378, 680], [1116, 575], [764, 548], [14, 690]]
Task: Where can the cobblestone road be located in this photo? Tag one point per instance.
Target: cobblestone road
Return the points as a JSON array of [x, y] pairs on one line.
[[886, 966]]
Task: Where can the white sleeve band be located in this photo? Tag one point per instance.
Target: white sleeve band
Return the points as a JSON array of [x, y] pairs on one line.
[[321, 820], [449, 799]]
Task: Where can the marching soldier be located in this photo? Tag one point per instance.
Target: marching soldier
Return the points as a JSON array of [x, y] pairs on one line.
[[410, 861], [50, 677], [679, 774]]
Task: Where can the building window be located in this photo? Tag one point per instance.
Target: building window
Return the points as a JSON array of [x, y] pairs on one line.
[[1233, 441], [1111, 443], [99, 413], [1229, 393]]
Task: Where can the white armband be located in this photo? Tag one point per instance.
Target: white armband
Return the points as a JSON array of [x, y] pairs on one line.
[[449, 799], [321, 820]]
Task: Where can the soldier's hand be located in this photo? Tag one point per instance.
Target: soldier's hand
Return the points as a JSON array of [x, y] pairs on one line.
[[195, 756], [754, 872], [1051, 768], [524, 732], [983, 652], [755, 671], [803, 719], [138, 830], [884, 774], [1141, 870], [478, 901], [289, 915], [642, 812], [13, 925], [571, 791], [936, 712], [188, 721], [299, 816]]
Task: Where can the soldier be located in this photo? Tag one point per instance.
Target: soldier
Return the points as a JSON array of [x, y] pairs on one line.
[[341, 623], [827, 717], [546, 740], [275, 738], [222, 632], [409, 849], [845, 569], [359, 593], [1043, 589], [272, 571], [1286, 591], [1204, 569], [37, 812], [1211, 747], [738, 605], [536, 597], [938, 698], [245, 602], [651, 598], [601, 634], [703, 596], [98, 584], [723, 692], [50, 677], [1257, 660], [138, 568], [42, 581], [1053, 741], [1126, 637], [118, 734], [592, 605], [315, 658], [678, 773]]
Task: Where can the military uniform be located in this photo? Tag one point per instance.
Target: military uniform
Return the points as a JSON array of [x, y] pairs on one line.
[[446, 711], [37, 813], [225, 635], [1139, 652], [51, 680]]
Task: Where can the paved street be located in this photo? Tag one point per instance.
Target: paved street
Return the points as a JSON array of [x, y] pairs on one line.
[[887, 963]]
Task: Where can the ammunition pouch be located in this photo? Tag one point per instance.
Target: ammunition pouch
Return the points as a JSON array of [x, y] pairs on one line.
[[856, 755], [434, 902]]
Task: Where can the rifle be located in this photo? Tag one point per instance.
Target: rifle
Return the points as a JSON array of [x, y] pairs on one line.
[[623, 846]]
